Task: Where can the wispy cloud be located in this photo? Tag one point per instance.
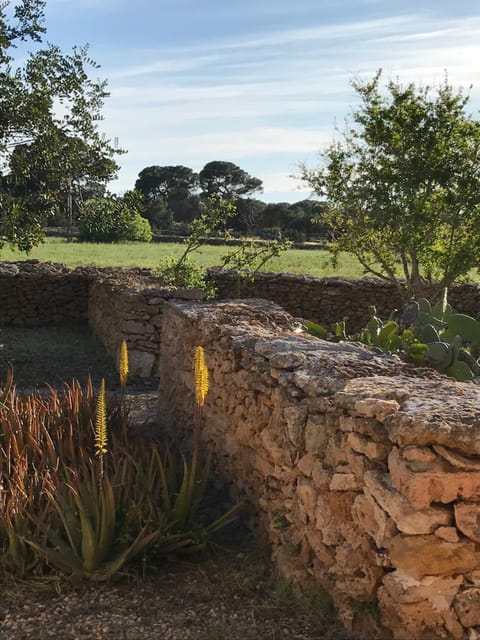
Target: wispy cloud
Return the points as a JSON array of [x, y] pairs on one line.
[[272, 96]]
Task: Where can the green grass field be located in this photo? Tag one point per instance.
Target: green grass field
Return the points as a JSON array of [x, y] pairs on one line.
[[137, 254], [149, 255]]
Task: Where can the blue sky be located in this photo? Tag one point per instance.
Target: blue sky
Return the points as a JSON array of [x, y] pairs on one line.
[[260, 83]]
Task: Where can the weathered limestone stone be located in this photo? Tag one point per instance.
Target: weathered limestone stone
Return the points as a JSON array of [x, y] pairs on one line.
[[306, 464], [324, 554], [272, 446], [457, 459], [316, 434], [449, 534], [438, 484], [372, 519], [321, 477], [467, 518], [244, 432], [412, 621], [441, 412], [440, 591], [307, 495], [296, 417], [342, 459], [333, 516], [419, 556], [140, 328], [407, 518], [467, 606], [419, 454], [376, 408], [372, 450], [344, 482], [141, 363]]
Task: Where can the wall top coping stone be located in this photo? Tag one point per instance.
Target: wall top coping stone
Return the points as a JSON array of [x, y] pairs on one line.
[[417, 406]]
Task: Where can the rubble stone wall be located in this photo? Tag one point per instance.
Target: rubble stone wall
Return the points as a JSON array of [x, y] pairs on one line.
[[132, 311], [33, 294], [328, 300], [365, 472], [119, 304]]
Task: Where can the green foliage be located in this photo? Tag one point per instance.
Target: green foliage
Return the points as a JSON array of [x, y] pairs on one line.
[[246, 259], [182, 271], [403, 186], [44, 149], [188, 274], [65, 510], [250, 257], [226, 180], [113, 219]]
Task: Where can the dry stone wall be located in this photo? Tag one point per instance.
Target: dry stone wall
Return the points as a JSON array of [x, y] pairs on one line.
[[119, 304], [35, 294], [130, 309], [327, 300], [365, 473]]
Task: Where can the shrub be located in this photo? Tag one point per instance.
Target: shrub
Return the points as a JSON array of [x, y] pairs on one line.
[[112, 219]]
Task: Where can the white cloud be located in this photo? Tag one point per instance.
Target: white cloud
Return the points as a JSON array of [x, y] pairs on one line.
[[274, 96]]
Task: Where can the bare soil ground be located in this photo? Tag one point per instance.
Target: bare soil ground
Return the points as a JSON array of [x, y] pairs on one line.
[[232, 593]]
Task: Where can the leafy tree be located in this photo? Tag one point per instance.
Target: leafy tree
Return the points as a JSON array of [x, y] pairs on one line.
[[163, 182], [403, 185], [114, 219], [226, 180], [168, 194], [44, 148], [249, 210]]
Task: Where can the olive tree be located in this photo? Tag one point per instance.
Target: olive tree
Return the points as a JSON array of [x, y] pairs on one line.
[[402, 185]]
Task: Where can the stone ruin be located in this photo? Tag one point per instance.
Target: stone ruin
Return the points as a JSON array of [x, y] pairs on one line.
[[364, 472]]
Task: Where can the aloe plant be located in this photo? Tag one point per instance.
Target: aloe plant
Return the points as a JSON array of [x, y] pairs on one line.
[[73, 504]]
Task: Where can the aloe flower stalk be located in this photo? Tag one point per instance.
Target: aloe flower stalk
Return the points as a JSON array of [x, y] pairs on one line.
[[123, 363], [201, 376], [101, 422]]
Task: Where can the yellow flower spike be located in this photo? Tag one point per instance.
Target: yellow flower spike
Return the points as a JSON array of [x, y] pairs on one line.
[[123, 363], [101, 422], [201, 376]]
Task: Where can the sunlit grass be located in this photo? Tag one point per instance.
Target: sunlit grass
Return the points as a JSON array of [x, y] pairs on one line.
[[311, 262], [149, 255]]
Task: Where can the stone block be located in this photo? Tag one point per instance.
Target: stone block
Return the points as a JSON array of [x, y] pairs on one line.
[[407, 518], [374, 451], [141, 363], [376, 408], [440, 483], [467, 518], [449, 534], [467, 606], [373, 520], [316, 435], [427, 555], [440, 591], [344, 482]]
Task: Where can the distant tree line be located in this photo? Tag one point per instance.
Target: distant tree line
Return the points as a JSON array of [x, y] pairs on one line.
[[173, 196]]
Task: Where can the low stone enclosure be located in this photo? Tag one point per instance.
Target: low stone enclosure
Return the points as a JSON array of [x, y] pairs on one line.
[[364, 472]]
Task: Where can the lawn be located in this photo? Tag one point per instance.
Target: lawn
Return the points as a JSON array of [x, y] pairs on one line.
[[138, 254], [149, 255]]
